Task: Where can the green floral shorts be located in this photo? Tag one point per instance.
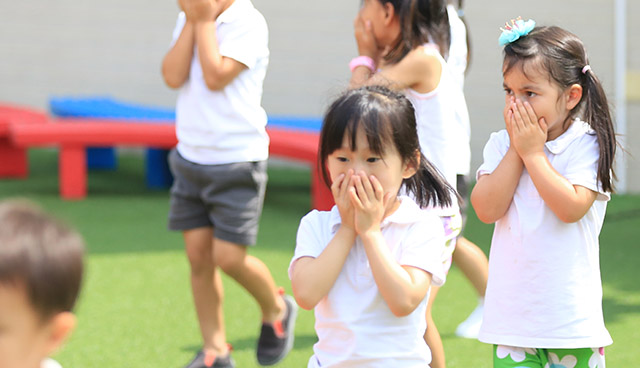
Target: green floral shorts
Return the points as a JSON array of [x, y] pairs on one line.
[[515, 357]]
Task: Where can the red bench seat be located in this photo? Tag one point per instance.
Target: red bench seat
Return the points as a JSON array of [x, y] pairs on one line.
[[73, 136]]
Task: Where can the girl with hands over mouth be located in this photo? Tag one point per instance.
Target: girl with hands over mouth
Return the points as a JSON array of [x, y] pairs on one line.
[[366, 266], [419, 48], [545, 183]]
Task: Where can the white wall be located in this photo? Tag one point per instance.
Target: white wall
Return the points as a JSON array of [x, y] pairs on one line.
[[64, 47]]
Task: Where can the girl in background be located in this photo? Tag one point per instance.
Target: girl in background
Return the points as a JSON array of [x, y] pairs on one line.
[[545, 182]]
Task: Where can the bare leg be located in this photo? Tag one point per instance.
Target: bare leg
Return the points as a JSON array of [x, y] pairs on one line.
[[475, 266], [206, 286], [432, 336], [473, 263], [253, 275]]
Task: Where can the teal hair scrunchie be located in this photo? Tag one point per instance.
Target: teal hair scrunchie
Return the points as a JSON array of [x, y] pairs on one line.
[[517, 29]]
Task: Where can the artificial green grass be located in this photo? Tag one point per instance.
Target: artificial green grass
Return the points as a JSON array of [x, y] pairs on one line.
[[136, 309]]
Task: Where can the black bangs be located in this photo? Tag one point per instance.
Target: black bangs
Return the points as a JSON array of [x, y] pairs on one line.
[[354, 113], [388, 120]]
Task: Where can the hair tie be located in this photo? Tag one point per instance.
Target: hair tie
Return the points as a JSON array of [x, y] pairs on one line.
[[518, 28], [586, 69]]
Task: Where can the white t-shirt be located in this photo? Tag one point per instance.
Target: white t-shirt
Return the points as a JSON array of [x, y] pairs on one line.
[[457, 58], [544, 288], [226, 126], [355, 326]]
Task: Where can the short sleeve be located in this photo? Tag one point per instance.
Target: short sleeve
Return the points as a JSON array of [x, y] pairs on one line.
[[493, 152], [309, 240], [583, 167], [423, 247], [180, 22], [245, 40]]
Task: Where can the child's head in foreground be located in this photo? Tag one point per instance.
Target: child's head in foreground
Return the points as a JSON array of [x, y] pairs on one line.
[[41, 267], [384, 121]]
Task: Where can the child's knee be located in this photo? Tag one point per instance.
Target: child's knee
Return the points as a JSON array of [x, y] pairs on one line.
[[201, 262], [229, 257]]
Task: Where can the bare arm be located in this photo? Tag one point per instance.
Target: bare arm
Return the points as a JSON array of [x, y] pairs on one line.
[[313, 278], [401, 287], [418, 70], [177, 62], [567, 201], [493, 193], [218, 70], [200, 32]]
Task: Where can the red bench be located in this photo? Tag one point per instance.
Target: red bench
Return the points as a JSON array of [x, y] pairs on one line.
[[73, 136], [13, 162]]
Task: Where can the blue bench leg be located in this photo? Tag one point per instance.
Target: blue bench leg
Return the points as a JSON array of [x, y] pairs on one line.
[[158, 174], [103, 158]]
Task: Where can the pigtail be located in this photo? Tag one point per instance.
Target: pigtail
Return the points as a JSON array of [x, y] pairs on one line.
[[597, 114], [429, 187]]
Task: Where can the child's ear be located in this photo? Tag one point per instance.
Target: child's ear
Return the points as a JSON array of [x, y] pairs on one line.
[[389, 12], [411, 166], [574, 94], [61, 326]]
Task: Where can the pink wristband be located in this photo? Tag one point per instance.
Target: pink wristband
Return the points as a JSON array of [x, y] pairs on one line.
[[362, 61]]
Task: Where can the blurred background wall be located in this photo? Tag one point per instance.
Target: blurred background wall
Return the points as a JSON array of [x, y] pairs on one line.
[[114, 48]]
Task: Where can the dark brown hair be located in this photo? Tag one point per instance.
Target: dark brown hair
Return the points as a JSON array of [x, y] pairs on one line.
[[421, 21], [562, 55], [41, 255], [387, 118]]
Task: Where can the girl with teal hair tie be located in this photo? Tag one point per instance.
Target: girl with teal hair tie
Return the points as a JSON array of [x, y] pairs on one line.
[[545, 183]]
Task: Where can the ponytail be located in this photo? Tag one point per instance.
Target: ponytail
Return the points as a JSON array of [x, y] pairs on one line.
[[421, 21], [429, 186], [596, 113]]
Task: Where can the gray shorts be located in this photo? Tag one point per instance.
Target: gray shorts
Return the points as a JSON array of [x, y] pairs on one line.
[[226, 197]]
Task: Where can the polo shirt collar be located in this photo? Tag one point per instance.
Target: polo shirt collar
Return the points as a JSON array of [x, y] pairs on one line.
[[235, 11], [407, 213], [577, 129]]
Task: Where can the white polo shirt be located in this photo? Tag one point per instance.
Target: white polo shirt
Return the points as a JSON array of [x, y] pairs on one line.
[[220, 127], [355, 326], [544, 288]]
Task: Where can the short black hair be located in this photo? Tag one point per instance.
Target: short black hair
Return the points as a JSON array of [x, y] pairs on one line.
[[387, 119]]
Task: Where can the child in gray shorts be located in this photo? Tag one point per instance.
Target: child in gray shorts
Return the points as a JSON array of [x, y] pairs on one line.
[[218, 60]]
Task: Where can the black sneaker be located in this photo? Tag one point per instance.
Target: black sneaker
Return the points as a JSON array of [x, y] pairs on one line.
[[276, 339], [210, 360]]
